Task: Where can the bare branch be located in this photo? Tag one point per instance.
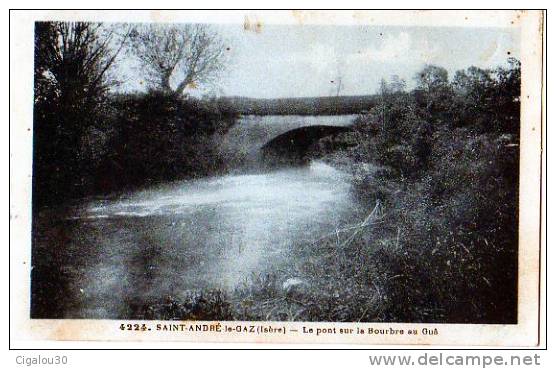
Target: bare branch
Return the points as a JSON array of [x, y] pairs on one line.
[[178, 56]]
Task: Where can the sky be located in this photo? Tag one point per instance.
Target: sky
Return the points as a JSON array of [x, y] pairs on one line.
[[307, 60]]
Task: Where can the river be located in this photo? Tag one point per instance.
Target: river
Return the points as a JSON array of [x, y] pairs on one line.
[[107, 255]]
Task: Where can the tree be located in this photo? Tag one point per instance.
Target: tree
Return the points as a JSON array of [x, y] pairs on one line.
[[397, 84], [384, 93], [178, 57], [488, 99], [434, 94], [72, 68], [473, 100], [508, 96], [390, 93], [432, 77], [72, 62]]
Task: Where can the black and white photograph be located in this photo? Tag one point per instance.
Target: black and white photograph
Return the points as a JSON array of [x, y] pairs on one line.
[[253, 171]]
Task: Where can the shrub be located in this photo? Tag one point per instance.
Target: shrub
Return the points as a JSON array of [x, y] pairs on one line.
[[448, 180], [196, 305], [135, 139]]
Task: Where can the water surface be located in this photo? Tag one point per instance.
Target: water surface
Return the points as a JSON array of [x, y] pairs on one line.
[[191, 235]]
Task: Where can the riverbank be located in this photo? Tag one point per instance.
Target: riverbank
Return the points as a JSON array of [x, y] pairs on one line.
[[407, 253]]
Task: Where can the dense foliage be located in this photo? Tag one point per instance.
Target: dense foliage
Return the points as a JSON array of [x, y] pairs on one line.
[[443, 160]]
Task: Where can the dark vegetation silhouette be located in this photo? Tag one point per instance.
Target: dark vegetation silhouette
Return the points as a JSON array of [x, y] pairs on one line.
[[435, 170], [442, 162]]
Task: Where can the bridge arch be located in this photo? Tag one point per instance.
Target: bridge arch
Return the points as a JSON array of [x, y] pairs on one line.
[[293, 146]]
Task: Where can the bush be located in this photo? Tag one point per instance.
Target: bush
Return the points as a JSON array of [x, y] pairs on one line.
[[444, 162], [135, 139], [196, 305], [458, 258]]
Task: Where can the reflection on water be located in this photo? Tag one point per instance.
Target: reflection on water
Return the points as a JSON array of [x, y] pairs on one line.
[[195, 234]]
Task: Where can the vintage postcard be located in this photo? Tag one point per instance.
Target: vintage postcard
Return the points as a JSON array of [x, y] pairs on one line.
[[368, 177]]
